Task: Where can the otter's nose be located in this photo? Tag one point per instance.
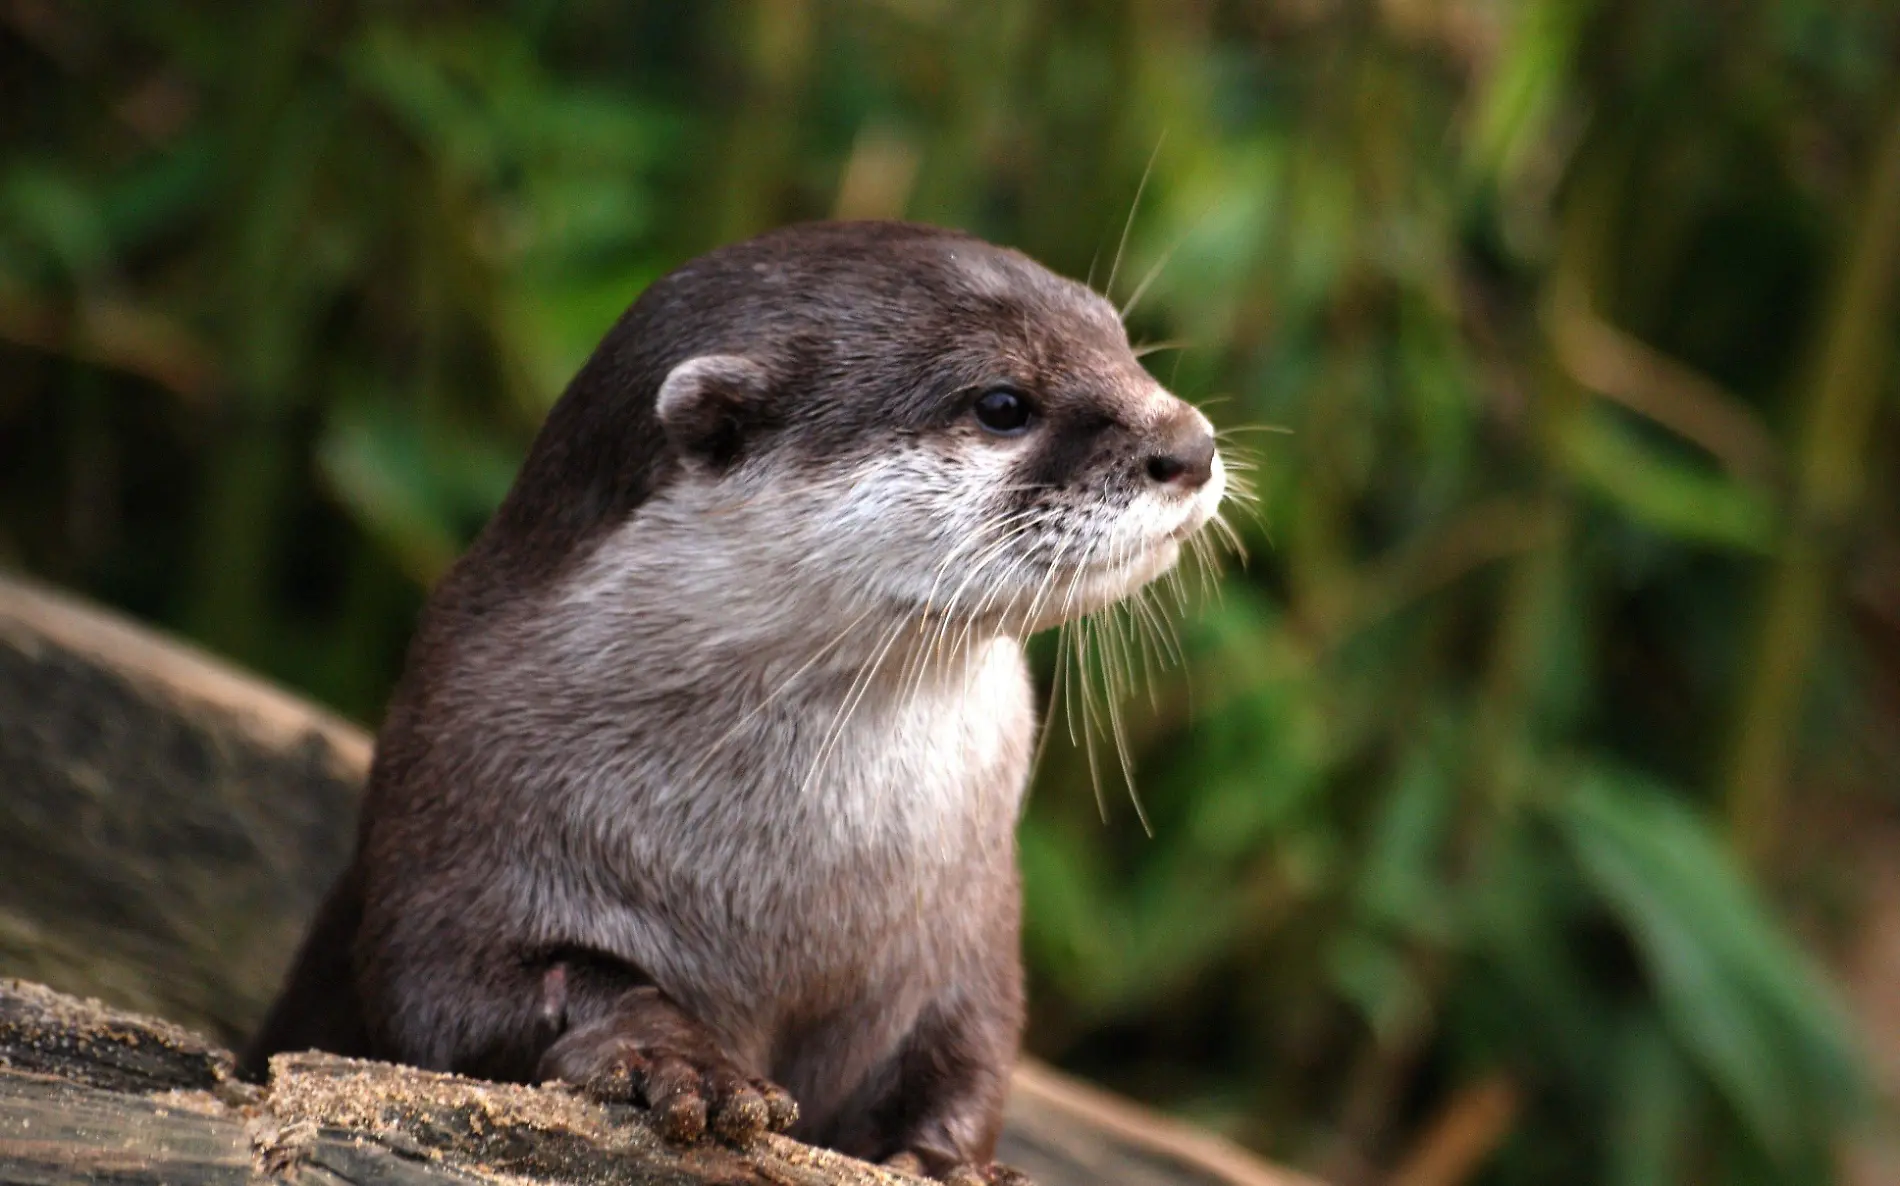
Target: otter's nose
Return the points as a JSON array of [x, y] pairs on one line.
[[1184, 453]]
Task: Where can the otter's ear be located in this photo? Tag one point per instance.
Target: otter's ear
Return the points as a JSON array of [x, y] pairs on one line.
[[708, 403]]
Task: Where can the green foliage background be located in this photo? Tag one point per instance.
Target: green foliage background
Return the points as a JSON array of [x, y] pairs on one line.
[[1493, 791]]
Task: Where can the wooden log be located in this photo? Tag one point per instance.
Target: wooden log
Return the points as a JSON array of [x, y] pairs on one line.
[[168, 826], [90, 1093]]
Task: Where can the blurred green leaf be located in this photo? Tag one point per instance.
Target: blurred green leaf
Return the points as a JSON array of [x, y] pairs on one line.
[[1525, 89], [420, 491], [1651, 1106], [1402, 883], [367, 246], [1376, 977], [55, 217], [1668, 495], [1743, 1000]]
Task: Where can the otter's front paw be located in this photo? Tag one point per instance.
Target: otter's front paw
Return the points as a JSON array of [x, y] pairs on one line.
[[689, 1096], [688, 1088], [958, 1173]]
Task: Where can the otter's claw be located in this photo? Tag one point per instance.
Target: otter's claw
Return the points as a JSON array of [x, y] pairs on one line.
[[651, 1053], [688, 1098]]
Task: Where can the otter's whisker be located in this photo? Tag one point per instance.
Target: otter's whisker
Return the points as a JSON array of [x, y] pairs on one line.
[[976, 568], [1119, 731], [1228, 535], [1141, 647], [1223, 433], [1155, 633], [1121, 654], [1065, 654], [1177, 585], [1101, 652], [1084, 703], [1003, 581], [1242, 497], [1154, 273], [976, 539], [1133, 208], [1043, 587], [972, 617], [1147, 348], [1055, 697], [922, 657], [1061, 663], [784, 685], [860, 684], [1088, 710], [998, 587]]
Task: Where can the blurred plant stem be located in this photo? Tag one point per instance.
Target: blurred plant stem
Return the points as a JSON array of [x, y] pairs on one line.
[[1453, 1147], [275, 129], [756, 153], [1509, 721], [1852, 363]]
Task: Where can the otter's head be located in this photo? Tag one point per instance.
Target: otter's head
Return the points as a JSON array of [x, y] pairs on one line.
[[887, 420]]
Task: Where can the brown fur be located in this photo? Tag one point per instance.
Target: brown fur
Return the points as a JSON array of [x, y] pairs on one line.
[[655, 808]]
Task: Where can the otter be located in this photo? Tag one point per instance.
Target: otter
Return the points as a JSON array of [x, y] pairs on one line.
[[700, 786]]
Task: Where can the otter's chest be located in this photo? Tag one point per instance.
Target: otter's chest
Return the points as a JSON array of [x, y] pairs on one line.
[[893, 797], [924, 768], [841, 846]]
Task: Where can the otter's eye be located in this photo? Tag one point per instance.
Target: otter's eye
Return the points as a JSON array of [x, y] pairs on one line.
[[1002, 411]]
